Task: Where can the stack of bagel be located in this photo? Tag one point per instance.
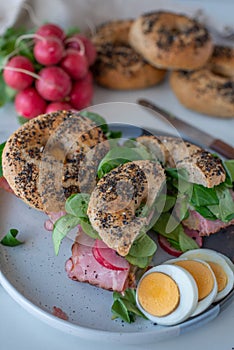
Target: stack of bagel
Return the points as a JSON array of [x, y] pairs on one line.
[[136, 54]]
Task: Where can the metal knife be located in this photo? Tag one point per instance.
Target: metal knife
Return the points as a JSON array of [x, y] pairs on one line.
[[208, 140]]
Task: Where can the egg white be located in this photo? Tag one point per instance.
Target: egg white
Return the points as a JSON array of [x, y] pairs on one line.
[[203, 304], [188, 295], [218, 258]]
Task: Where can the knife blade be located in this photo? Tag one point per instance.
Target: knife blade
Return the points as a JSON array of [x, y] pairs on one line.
[[191, 131]]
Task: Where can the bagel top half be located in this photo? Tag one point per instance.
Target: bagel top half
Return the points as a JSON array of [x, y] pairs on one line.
[[202, 167], [53, 156], [118, 65], [171, 40], [116, 198]]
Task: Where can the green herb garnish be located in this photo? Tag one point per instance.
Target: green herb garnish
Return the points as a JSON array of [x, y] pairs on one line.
[[61, 228], [177, 237], [125, 307], [22, 120], [120, 155], [10, 239], [141, 251], [76, 207], [1, 150]]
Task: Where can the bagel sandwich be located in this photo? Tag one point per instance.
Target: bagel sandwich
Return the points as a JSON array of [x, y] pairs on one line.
[[115, 220], [52, 163], [200, 183]]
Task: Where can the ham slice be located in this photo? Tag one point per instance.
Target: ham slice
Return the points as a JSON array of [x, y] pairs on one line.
[[205, 227], [83, 267], [53, 217], [4, 184]]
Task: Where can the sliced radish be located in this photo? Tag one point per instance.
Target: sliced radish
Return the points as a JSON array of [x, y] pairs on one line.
[[107, 257], [165, 245]]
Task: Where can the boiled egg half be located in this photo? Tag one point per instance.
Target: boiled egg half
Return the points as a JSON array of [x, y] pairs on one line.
[[167, 294]]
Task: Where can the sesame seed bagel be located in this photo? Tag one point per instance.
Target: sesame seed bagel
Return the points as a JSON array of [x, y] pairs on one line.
[[171, 41], [118, 65], [115, 199], [205, 92], [202, 167], [53, 156]]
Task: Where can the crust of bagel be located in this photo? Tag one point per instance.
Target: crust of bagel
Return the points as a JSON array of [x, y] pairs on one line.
[[118, 66], [112, 32], [203, 168], [205, 92], [171, 41], [116, 197], [222, 61], [44, 161]]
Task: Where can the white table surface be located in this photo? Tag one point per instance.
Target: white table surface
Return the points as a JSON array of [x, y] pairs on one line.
[[19, 329]]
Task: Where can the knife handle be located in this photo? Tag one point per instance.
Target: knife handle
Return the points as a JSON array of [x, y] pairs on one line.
[[223, 148]]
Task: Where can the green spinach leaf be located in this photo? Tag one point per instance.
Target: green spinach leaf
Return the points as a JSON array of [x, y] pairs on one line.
[[77, 205], [125, 307], [97, 119], [1, 150], [61, 228], [203, 196], [117, 156]]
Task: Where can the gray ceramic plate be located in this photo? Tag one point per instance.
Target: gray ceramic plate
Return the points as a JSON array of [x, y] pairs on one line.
[[36, 278]]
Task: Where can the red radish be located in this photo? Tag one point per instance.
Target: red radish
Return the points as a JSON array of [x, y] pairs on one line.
[[165, 245], [58, 106], [108, 258], [16, 79], [90, 50], [54, 84], [4, 185], [89, 78], [48, 51], [75, 64], [81, 94], [29, 103], [50, 29]]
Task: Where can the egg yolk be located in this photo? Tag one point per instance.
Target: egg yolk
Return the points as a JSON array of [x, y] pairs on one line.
[[220, 275], [158, 294], [202, 275]]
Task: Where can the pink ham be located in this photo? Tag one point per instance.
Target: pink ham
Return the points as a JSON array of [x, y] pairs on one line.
[[205, 227], [83, 267], [4, 184], [53, 217]]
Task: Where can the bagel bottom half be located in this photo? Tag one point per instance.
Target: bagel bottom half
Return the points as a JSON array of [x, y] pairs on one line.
[[120, 67], [205, 92]]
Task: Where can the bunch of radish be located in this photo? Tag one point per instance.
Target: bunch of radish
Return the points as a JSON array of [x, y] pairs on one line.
[[59, 76]]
